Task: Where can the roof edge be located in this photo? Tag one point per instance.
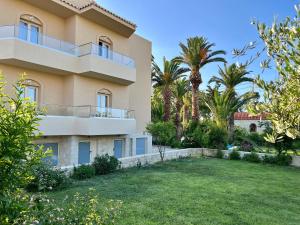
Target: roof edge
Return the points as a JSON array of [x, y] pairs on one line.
[[94, 3]]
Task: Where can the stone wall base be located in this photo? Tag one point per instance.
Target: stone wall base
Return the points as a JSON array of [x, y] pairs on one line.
[[177, 153]]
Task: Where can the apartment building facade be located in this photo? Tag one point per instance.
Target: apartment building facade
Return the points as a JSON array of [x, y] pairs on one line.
[[87, 69]]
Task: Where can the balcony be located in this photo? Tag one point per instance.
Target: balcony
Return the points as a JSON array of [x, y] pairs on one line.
[[47, 54], [86, 120]]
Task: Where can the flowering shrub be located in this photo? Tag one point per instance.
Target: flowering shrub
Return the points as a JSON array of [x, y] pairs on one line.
[[47, 178], [81, 209]]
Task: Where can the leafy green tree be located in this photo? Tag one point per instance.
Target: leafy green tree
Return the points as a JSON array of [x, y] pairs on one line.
[[282, 96], [164, 78], [181, 87], [230, 77], [18, 154], [197, 53], [163, 133]]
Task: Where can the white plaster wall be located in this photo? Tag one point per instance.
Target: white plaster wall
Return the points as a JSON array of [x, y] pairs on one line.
[[246, 125]]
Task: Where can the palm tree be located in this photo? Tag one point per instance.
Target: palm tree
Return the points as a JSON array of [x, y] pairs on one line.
[[181, 87], [165, 79], [157, 106], [196, 54], [186, 108], [230, 77], [223, 104]]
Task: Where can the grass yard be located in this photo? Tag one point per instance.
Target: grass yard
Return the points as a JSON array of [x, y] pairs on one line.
[[201, 191]]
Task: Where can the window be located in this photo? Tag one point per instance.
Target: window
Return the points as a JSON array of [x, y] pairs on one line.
[[53, 158], [31, 90], [104, 103], [105, 46], [103, 100], [253, 127], [30, 28]]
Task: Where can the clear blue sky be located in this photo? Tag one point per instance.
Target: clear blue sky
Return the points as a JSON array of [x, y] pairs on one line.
[[224, 22]]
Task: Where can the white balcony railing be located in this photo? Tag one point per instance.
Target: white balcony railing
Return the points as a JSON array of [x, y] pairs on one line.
[[21, 33], [86, 111]]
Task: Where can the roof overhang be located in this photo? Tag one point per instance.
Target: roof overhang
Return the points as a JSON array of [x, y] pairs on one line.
[[91, 12], [106, 19]]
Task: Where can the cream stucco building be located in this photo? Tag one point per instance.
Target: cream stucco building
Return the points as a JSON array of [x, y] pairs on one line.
[[87, 68]]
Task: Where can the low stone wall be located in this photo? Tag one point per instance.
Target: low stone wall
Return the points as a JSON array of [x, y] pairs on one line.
[[296, 161], [177, 153], [169, 155]]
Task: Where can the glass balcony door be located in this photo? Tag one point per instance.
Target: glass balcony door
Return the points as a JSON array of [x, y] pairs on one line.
[[104, 49], [103, 104], [29, 32]]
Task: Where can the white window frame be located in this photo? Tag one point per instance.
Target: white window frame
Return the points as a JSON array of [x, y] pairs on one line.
[[29, 28], [36, 92]]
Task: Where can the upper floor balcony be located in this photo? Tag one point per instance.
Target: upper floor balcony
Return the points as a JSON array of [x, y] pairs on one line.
[[31, 49], [86, 120]]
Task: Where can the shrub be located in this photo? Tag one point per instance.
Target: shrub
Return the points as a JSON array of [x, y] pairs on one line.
[[175, 144], [105, 164], [220, 154], [81, 209], [282, 159], [83, 172], [257, 139], [205, 134], [246, 146], [234, 155], [19, 121], [47, 178], [252, 157], [269, 159], [217, 137]]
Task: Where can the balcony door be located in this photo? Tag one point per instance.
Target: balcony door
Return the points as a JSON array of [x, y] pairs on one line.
[[105, 47], [29, 29], [103, 104]]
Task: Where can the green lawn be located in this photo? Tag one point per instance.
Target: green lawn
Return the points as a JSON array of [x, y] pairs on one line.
[[201, 191]]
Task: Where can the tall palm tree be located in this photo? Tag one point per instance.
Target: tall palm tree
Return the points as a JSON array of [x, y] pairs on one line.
[[186, 108], [230, 77], [164, 79], [181, 87], [223, 104], [196, 54]]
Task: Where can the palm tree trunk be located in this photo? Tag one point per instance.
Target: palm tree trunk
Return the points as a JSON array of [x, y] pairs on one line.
[[167, 103], [178, 119], [231, 127], [186, 115], [195, 80]]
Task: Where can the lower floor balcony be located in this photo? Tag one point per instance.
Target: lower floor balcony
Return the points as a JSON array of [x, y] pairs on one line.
[[85, 120]]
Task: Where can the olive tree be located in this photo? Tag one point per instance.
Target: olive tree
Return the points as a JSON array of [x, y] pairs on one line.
[[281, 97], [163, 133]]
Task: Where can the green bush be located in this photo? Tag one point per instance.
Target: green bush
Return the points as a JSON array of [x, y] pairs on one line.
[[205, 134], [282, 160], [246, 146], [81, 209], [234, 155], [252, 157], [47, 178], [105, 164], [220, 154], [83, 172]]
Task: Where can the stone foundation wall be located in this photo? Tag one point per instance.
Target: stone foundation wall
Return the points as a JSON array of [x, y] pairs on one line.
[[177, 153]]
